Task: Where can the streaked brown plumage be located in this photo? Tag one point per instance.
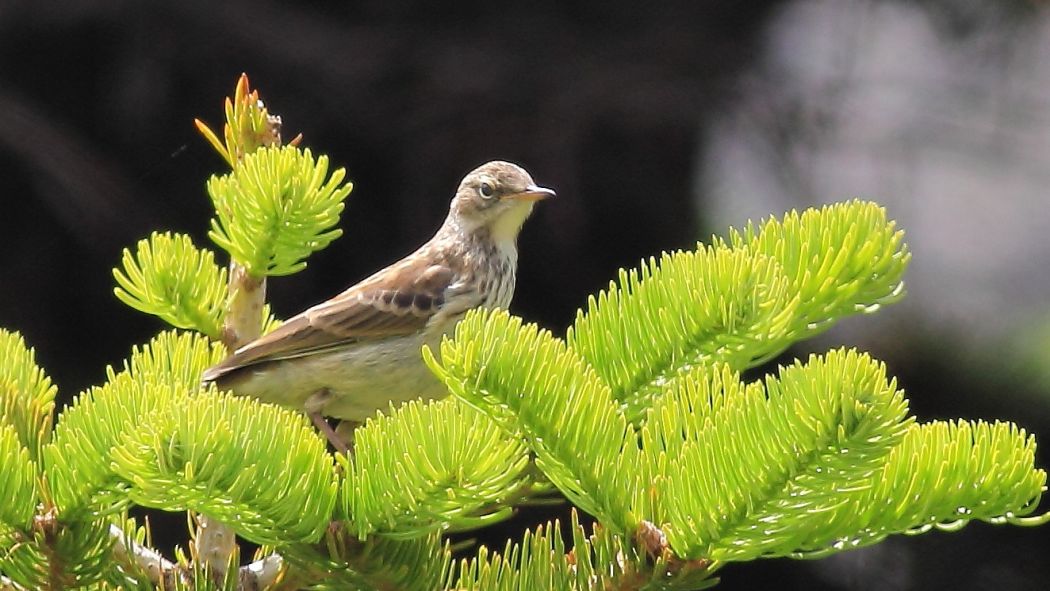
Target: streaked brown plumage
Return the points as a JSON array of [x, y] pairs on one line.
[[359, 351]]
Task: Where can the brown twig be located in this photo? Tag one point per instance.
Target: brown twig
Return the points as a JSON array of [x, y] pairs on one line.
[[250, 126]]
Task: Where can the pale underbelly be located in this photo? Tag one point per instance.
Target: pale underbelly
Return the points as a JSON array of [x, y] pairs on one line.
[[354, 382]]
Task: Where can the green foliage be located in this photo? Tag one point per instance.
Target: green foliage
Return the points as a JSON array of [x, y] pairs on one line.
[[27, 397], [54, 556], [842, 259], [146, 437], [740, 303], [819, 458], [537, 389], [429, 468], [248, 125], [18, 493], [963, 470], [793, 455], [79, 459], [787, 456], [277, 207], [173, 358], [600, 561], [714, 304], [171, 278], [639, 417], [380, 562], [258, 468]]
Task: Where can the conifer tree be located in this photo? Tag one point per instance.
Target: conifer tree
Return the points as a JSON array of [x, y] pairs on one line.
[[639, 416]]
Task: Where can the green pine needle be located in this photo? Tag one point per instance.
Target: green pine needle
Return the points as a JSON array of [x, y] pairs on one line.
[[844, 258], [597, 562], [741, 304], [258, 468], [412, 565], [79, 460], [276, 208], [27, 396], [537, 388], [171, 278], [688, 308], [945, 474], [60, 555], [174, 357], [430, 467], [760, 472], [18, 488], [160, 375], [342, 562]]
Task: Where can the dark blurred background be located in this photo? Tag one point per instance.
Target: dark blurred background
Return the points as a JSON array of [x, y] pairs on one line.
[[656, 126]]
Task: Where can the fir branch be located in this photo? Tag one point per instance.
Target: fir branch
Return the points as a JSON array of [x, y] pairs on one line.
[[674, 423], [533, 386], [946, 474], [160, 375], [842, 259], [259, 469], [343, 562], [139, 564], [741, 302], [597, 562], [249, 125], [431, 467], [246, 308], [763, 472], [55, 554], [18, 485], [171, 278], [79, 460], [688, 308], [173, 358], [262, 573], [275, 208], [27, 396]]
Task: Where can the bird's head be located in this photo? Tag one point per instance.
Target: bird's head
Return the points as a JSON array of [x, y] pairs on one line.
[[496, 197]]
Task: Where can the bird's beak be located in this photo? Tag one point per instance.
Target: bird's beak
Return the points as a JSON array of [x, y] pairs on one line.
[[532, 193]]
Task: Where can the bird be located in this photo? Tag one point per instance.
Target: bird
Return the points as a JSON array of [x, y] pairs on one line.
[[360, 351]]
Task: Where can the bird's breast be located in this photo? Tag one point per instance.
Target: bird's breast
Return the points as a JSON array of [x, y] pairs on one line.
[[501, 276]]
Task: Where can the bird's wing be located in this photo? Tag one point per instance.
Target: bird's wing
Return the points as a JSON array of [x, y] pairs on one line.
[[399, 300]]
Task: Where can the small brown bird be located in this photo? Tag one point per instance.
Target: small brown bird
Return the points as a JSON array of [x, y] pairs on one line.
[[361, 350]]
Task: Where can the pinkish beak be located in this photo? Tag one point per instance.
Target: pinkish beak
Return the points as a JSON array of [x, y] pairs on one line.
[[532, 193]]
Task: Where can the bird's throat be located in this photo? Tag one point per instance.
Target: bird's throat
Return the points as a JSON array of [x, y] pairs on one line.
[[504, 229]]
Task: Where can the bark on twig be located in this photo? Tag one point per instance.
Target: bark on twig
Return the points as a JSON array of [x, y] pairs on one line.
[[160, 570], [260, 574], [215, 542]]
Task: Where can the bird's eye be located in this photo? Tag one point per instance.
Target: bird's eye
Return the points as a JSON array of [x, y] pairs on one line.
[[486, 190]]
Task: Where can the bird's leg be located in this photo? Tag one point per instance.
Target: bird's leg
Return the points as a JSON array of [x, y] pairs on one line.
[[322, 425], [313, 407], [345, 432]]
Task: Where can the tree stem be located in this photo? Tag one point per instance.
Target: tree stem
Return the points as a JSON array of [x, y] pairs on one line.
[[215, 542]]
